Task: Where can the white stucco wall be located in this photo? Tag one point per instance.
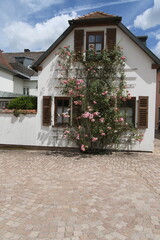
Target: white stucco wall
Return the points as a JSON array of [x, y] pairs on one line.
[[140, 78], [32, 85], [18, 130], [6, 81], [18, 85]]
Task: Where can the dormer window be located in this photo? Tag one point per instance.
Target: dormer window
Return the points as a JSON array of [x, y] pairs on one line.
[[25, 61], [95, 41]]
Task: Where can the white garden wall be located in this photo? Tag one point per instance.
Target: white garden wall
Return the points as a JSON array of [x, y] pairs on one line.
[[19, 130]]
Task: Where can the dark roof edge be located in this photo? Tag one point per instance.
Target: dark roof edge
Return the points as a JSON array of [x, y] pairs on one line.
[[84, 21], [15, 73], [21, 75], [52, 47], [139, 43]]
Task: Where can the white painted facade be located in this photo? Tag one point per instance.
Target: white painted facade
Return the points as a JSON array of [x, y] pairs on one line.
[[10, 83], [140, 78], [6, 81]]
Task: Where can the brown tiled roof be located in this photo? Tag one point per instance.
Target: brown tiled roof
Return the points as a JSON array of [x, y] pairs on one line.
[[94, 15], [18, 67], [4, 63], [33, 55]]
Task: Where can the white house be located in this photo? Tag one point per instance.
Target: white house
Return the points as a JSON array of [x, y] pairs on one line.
[[140, 69], [16, 76], [140, 75]]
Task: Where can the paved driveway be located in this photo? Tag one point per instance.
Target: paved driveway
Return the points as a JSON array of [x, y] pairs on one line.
[[77, 197]]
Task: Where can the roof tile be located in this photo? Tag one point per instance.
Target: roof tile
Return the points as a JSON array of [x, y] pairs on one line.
[[95, 14]]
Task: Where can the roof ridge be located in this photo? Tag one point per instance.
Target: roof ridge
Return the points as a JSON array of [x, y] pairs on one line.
[[89, 15]]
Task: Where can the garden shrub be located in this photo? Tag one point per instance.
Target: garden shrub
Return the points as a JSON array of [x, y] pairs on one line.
[[24, 102]]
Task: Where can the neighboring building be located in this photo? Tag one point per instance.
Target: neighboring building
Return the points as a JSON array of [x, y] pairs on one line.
[[16, 76], [140, 73], [157, 120]]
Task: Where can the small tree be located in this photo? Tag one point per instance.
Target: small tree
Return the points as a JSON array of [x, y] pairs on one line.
[[23, 102], [96, 84]]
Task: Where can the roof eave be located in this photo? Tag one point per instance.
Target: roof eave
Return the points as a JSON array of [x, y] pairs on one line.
[[51, 48], [139, 43], [21, 75], [92, 20]]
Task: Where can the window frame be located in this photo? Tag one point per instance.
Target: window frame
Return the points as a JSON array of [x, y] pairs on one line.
[[26, 91], [56, 124], [94, 33], [133, 102]]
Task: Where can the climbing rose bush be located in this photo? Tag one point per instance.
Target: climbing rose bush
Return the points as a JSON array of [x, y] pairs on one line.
[[95, 83]]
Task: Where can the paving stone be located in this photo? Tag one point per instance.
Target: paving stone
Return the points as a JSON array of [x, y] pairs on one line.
[[69, 196]]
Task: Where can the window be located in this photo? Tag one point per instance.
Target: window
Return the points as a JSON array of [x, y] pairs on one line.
[[128, 110], [62, 113], [3, 104], [26, 91], [95, 41]]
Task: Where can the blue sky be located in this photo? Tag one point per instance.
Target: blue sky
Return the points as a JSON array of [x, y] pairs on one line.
[[36, 24]]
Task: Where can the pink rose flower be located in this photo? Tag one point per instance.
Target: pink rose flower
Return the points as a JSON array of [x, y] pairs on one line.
[[96, 113], [77, 137], [92, 120], [103, 134], [94, 102], [121, 119], [105, 93], [101, 120], [109, 128], [83, 148], [91, 116], [66, 132], [94, 139], [86, 115]]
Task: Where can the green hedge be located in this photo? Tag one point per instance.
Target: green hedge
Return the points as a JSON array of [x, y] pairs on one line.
[[24, 102]]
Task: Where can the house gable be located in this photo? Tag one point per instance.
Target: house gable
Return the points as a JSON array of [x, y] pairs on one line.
[[92, 20]]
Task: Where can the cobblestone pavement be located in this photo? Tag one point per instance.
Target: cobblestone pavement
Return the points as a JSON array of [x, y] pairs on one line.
[[55, 196]]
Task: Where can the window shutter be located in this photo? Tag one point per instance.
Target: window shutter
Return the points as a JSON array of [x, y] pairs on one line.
[[143, 112], [111, 38], [79, 40], [46, 111]]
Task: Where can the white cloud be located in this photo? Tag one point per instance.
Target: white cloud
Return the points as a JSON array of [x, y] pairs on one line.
[[22, 35], [149, 18], [96, 6], [37, 5], [157, 47]]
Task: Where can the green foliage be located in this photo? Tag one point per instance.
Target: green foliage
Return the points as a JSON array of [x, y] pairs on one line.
[[96, 84], [24, 102]]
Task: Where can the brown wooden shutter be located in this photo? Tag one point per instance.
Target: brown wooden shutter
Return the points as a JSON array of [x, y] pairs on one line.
[[111, 38], [79, 40], [46, 111], [143, 112]]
